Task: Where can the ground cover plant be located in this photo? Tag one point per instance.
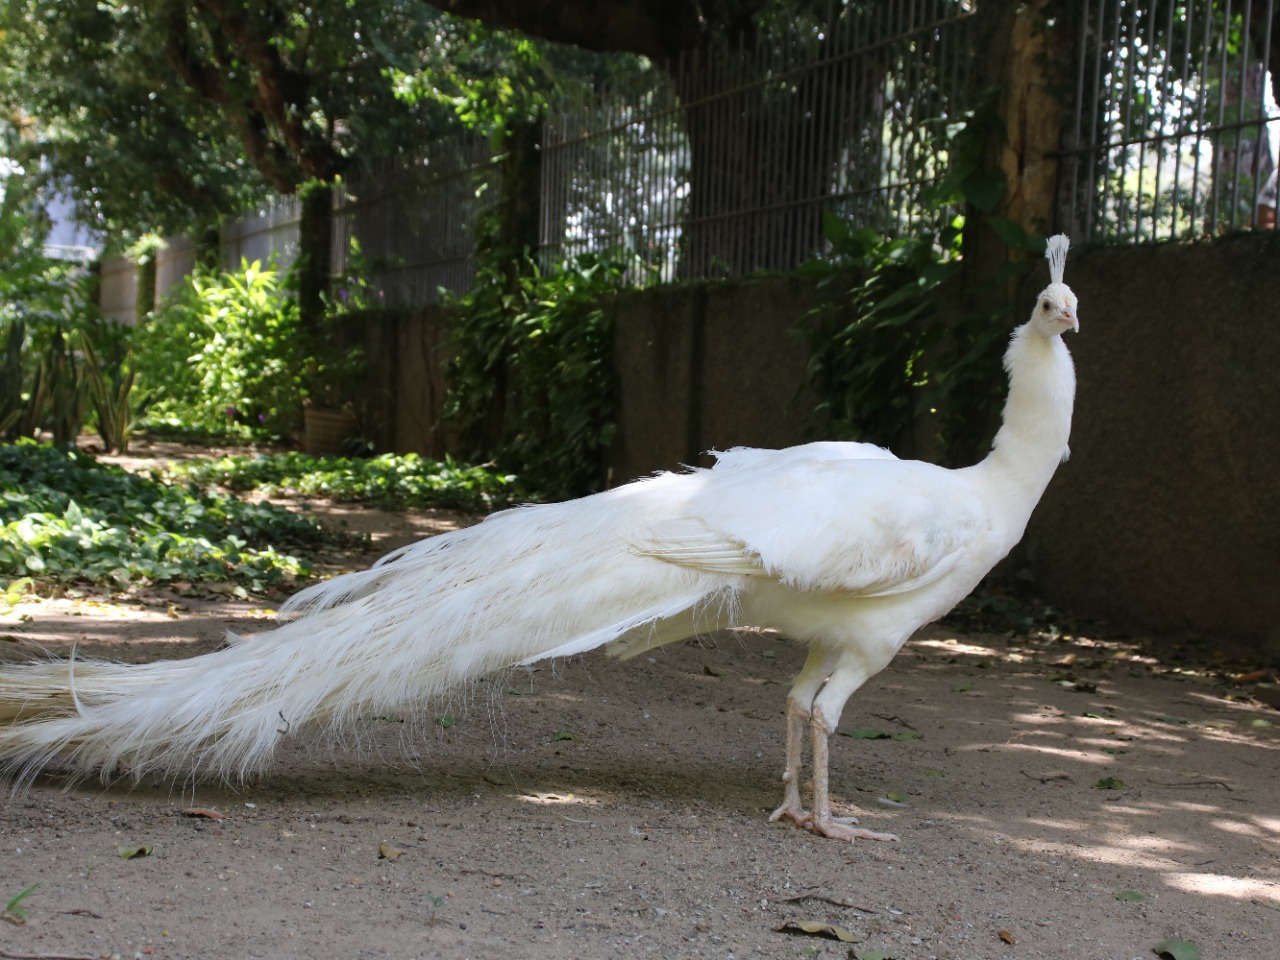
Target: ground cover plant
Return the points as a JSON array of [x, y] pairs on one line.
[[65, 518], [388, 481]]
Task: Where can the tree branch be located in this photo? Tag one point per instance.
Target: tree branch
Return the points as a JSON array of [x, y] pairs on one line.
[[658, 29]]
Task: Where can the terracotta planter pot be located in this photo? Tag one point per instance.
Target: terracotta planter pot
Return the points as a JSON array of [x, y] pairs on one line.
[[326, 432]]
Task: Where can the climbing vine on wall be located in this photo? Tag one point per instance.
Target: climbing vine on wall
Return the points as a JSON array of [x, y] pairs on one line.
[[531, 383], [885, 357]]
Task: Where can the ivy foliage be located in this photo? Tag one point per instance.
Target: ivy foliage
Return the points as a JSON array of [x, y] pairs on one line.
[[390, 480], [531, 384], [66, 518]]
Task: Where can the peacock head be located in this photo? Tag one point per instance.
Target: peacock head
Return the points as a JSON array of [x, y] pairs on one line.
[[1056, 308]]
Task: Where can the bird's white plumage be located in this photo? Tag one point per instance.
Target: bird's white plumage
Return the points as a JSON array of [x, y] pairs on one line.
[[837, 545]]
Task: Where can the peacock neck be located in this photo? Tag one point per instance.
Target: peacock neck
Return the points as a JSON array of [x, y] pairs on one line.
[[1032, 439]]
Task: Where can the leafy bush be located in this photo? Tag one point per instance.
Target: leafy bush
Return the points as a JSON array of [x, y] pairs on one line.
[[226, 354], [46, 315], [532, 385], [387, 481], [66, 518]]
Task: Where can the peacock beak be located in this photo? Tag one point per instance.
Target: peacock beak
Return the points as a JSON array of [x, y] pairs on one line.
[[1071, 320]]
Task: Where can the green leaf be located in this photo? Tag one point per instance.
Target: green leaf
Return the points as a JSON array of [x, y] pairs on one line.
[[132, 853], [864, 733], [1179, 721], [834, 228], [819, 928], [874, 955], [1014, 236], [1130, 896], [964, 687], [563, 735], [985, 190], [1177, 950], [12, 906], [1109, 783], [446, 722]]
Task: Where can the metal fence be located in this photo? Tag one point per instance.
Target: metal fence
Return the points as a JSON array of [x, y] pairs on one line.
[[405, 231], [726, 164], [1176, 126]]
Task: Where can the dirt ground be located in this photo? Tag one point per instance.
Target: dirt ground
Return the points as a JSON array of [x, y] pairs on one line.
[[594, 809]]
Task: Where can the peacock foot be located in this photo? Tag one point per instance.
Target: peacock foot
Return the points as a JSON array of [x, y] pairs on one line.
[[794, 812], [835, 828], [843, 828]]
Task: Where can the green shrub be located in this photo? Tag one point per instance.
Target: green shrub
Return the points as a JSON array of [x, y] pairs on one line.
[[226, 355]]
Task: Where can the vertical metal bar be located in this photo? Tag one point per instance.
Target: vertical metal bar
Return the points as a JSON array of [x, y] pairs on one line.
[[1074, 195], [1218, 121], [1264, 131], [1240, 114]]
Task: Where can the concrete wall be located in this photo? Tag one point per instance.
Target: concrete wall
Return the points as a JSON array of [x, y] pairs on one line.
[[1167, 517], [709, 366]]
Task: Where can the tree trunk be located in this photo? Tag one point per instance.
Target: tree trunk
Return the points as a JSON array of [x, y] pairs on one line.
[[1022, 52], [315, 252]]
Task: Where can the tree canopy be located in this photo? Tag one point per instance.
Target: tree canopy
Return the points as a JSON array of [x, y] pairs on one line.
[[162, 114]]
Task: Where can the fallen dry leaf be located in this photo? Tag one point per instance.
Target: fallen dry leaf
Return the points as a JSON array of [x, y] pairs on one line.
[[1007, 937], [205, 812], [388, 852]]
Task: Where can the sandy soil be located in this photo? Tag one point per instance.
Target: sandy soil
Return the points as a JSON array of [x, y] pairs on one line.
[[596, 809]]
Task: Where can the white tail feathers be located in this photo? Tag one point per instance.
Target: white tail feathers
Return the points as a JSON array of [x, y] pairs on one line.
[[1056, 253], [524, 585]]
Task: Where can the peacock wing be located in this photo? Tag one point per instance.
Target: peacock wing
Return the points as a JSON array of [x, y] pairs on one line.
[[859, 527]]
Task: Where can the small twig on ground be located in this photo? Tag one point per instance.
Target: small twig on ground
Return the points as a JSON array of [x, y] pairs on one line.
[[893, 719], [1195, 783], [7, 955], [1052, 776], [825, 899]]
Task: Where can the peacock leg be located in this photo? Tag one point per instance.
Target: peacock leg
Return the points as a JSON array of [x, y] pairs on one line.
[[792, 808], [813, 675], [821, 820]]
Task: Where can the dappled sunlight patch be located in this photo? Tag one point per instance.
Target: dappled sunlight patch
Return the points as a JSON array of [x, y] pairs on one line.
[[956, 647], [548, 798], [1066, 753], [1241, 829], [1270, 824], [1218, 885]]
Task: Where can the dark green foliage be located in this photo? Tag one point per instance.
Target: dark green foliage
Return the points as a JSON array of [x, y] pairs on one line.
[[47, 377], [66, 518], [389, 480], [532, 384], [869, 338], [111, 390], [886, 358]]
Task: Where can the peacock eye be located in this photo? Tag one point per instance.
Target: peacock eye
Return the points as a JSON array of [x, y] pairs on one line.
[[1044, 305]]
